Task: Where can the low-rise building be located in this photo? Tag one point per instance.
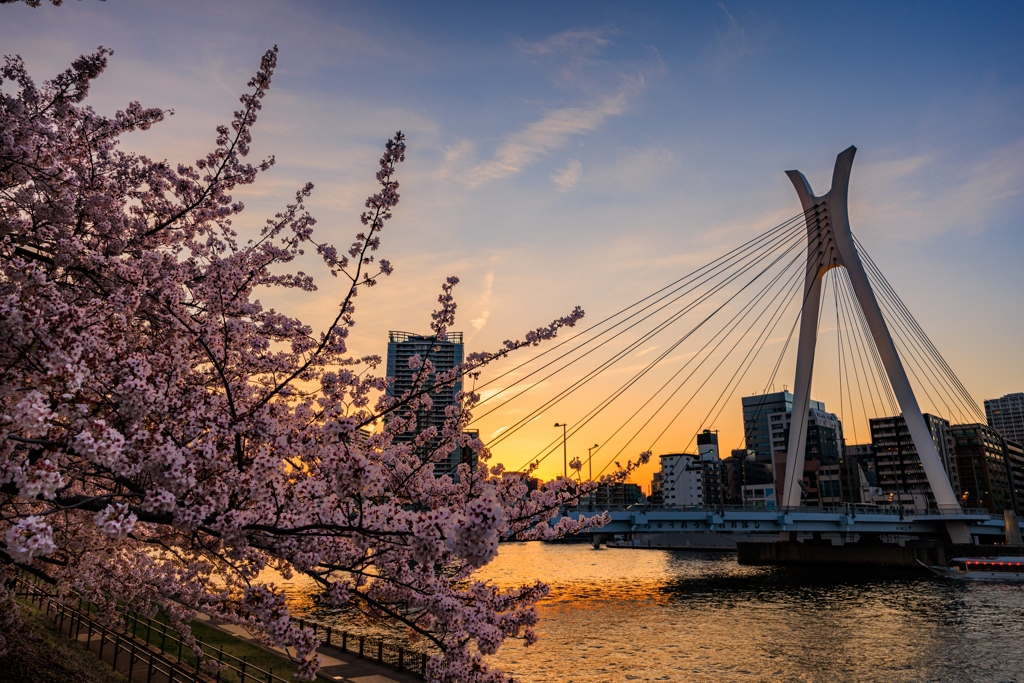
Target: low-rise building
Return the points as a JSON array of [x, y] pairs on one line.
[[680, 481]]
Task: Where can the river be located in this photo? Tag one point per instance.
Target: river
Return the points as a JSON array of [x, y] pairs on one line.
[[661, 615]]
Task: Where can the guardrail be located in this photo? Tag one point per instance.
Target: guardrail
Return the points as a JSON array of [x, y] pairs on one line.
[[146, 642], [370, 647], [857, 509]]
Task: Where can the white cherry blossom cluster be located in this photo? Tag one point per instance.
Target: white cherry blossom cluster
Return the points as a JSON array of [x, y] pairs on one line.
[[29, 538]]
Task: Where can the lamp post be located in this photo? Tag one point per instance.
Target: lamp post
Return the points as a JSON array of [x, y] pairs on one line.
[[565, 453], [590, 454]]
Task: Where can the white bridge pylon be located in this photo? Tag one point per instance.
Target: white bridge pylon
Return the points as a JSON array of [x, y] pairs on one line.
[[830, 245]]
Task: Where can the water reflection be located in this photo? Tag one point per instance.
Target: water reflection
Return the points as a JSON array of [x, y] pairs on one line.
[[655, 615]]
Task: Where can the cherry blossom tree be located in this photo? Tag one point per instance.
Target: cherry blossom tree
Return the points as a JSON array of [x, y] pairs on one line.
[[165, 438]]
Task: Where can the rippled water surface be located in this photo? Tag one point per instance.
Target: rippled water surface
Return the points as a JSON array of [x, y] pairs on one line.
[[656, 615]]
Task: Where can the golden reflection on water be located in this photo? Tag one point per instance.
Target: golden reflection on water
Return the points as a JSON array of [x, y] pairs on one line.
[[655, 615]]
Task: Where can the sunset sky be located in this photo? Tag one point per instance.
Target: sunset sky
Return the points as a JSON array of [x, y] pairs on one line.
[[565, 154]]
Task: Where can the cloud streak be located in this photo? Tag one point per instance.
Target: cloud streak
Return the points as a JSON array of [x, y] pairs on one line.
[[549, 134], [568, 177], [586, 40]]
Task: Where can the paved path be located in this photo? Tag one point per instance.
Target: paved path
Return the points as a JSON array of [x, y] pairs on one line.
[[337, 665]]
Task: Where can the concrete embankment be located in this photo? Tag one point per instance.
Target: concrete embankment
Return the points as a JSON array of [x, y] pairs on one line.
[[855, 554]]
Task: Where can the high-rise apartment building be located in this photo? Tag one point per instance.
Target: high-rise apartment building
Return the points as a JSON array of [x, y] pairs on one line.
[[1006, 414], [898, 467], [444, 355], [984, 475]]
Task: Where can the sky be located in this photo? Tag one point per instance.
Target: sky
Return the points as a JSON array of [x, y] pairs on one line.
[[565, 154]]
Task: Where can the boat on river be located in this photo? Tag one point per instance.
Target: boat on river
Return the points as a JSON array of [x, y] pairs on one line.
[[1003, 569]]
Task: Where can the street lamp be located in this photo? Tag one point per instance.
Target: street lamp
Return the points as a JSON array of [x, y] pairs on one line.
[[590, 454], [565, 455]]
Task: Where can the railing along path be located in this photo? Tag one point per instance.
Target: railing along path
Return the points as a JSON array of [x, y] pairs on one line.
[[146, 651]]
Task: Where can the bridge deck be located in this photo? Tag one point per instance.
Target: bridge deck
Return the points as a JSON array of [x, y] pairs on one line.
[[853, 519]]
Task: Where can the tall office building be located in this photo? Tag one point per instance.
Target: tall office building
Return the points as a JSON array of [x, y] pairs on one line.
[[766, 420], [823, 448], [756, 420], [444, 355], [898, 467], [1006, 414], [984, 474]]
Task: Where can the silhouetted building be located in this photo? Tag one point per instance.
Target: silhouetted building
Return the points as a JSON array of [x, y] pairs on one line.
[[984, 475], [1015, 470], [615, 495], [766, 420], [444, 355], [900, 473], [858, 474], [742, 469], [822, 447], [1006, 415], [711, 464]]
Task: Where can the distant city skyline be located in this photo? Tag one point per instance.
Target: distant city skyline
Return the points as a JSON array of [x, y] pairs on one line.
[[588, 154]]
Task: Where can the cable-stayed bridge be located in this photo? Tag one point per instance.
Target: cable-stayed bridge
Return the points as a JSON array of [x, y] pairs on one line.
[[728, 322]]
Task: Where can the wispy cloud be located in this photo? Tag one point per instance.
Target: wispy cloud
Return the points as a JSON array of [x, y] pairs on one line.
[[549, 134], [568, 177], [633, 171], [577, 40], [925, 196], [733, 43], [483, 305]]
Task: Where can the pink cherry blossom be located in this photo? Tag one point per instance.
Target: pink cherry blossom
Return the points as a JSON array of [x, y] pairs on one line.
[[165, 437]]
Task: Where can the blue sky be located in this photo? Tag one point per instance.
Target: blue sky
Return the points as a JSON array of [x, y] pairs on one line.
[[587, 153]]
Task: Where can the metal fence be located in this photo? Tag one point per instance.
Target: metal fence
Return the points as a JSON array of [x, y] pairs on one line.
[[370, 647], [852, 508], [147, 641]]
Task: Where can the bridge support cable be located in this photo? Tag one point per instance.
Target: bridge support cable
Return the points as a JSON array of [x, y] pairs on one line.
[[742, 268], [950, 378], [723, 264], [739, 373], [929, 367], [724, 278], [844, 352], [743, 366], [790, 285], [854, 354], [629, 383], [817, 229], [860, 365], [858, 350]]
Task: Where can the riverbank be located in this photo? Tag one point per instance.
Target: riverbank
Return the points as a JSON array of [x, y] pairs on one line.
[[61, 643], [38, 652]]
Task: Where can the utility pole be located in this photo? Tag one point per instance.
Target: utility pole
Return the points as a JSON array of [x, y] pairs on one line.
[[590, 455], [565, 453]]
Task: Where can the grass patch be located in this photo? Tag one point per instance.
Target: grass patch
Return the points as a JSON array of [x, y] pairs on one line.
[[40, 653], [213, 641]]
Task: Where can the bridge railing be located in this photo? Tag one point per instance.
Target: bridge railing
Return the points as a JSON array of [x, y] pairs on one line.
[[851, 509]]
